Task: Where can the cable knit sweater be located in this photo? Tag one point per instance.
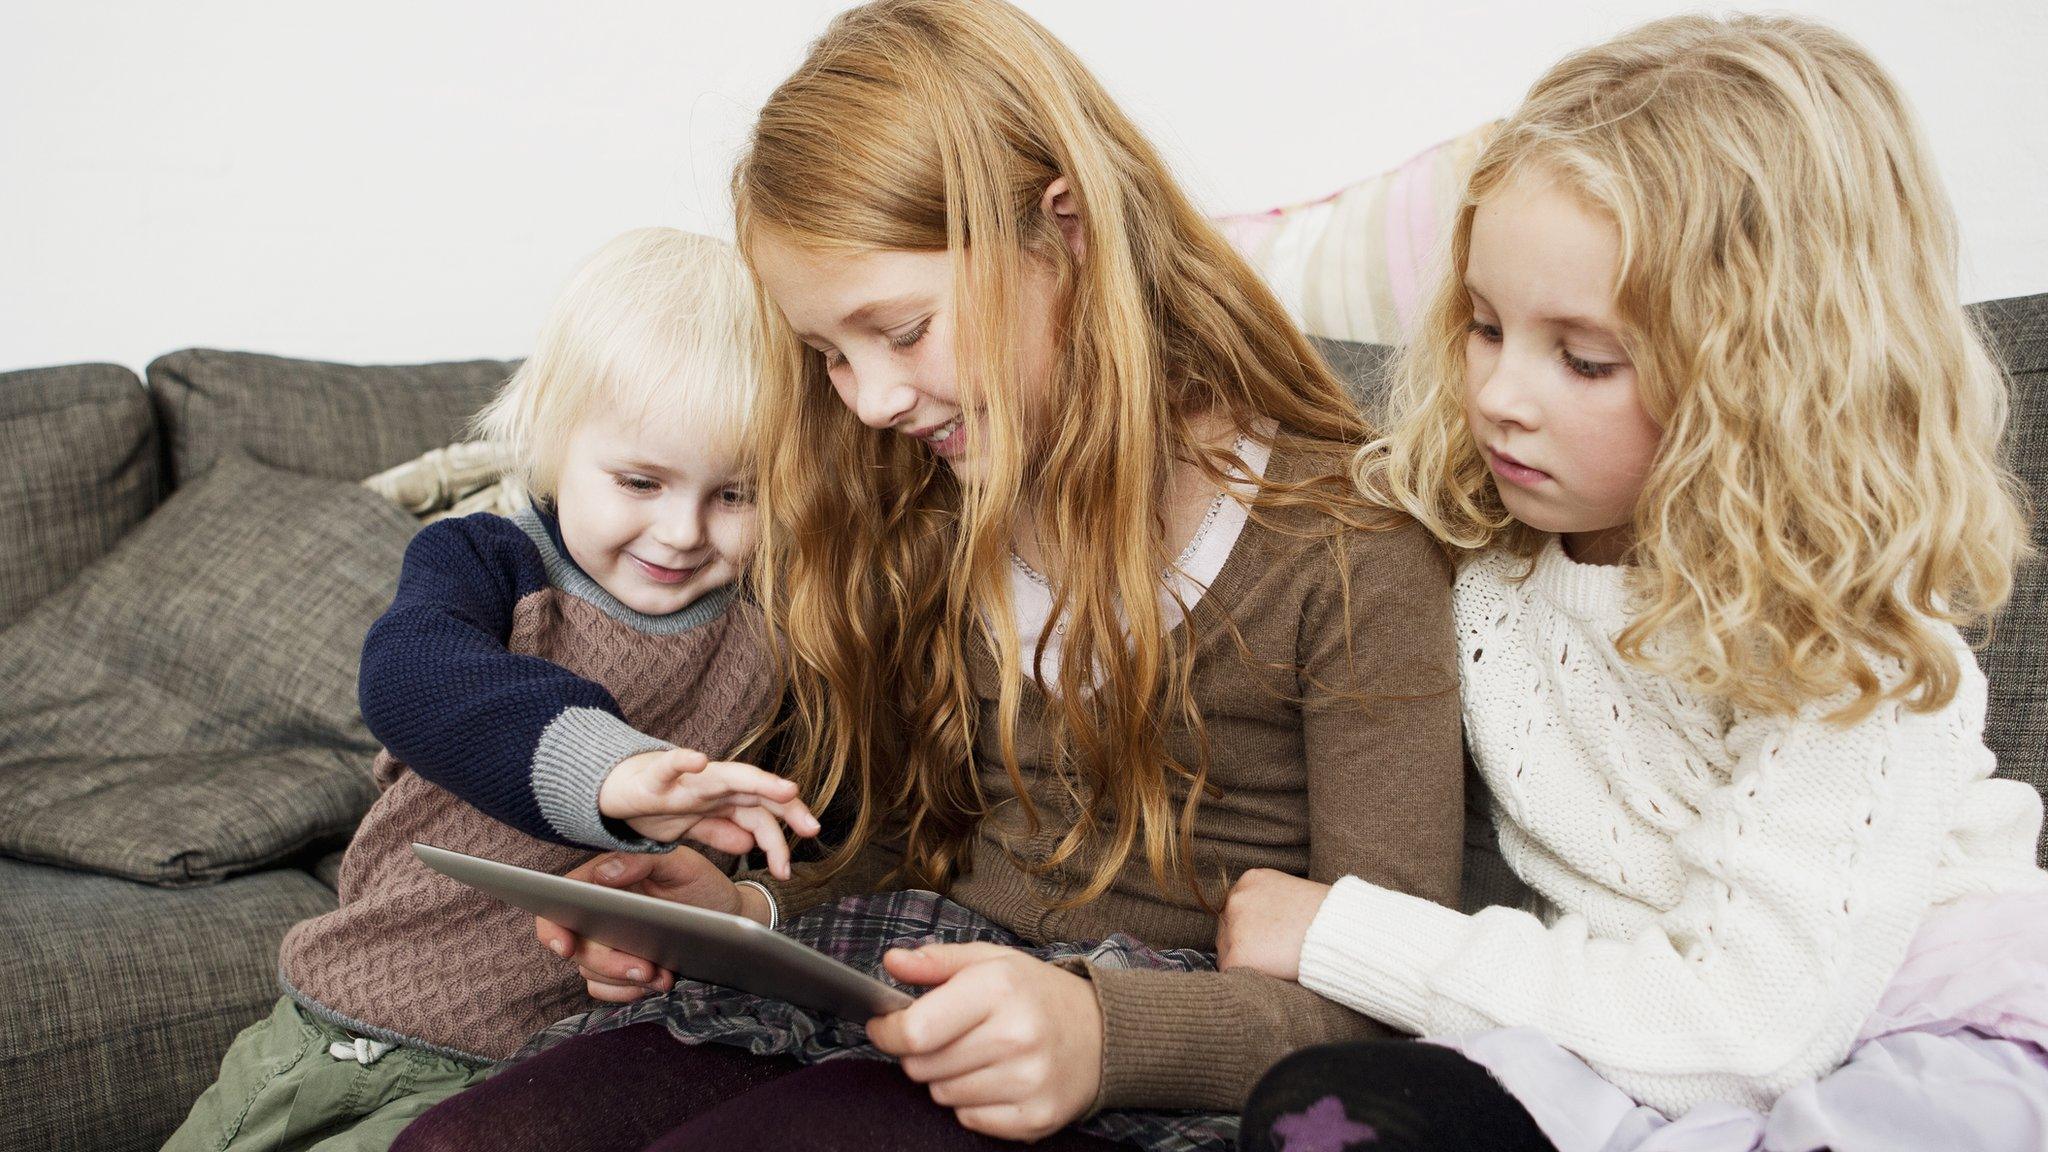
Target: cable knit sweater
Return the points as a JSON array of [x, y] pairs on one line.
[[1333, 750], [504, 683], [1722, 895]]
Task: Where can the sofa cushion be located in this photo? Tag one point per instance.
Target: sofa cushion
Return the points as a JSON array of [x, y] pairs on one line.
[[187, 708], [2015, 659], [341, 421], [121, 998], [1357, 263], [1362, 367], [81, 469]]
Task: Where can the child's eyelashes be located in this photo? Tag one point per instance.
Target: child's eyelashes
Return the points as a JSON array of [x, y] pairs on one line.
[[916, 333], [1589, 369], [905, 339], [730, 496], [1576, 365]]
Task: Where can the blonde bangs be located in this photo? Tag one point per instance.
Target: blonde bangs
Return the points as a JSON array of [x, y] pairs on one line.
[[656, 327], [1828, 489]]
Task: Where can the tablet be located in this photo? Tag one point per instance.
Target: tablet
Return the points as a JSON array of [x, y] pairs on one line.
[[691, 942]]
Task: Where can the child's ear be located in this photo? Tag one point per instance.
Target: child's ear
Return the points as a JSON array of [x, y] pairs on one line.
[[1060, 203]]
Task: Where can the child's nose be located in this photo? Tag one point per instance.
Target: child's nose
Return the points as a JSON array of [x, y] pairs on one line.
[[681, 532], [1506, 395], [883, 396]]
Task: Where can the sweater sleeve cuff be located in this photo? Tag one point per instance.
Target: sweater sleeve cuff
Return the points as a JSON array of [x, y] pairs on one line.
[[1169, 1040], [577, 751], [1375, 950]]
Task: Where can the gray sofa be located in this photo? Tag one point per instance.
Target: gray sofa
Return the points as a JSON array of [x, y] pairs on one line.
[[186, 574]]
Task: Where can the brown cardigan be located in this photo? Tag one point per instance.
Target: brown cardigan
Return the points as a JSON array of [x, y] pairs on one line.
[[1313, 781]]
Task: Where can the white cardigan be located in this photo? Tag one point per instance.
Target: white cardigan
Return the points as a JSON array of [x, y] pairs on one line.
[[1723, 896]]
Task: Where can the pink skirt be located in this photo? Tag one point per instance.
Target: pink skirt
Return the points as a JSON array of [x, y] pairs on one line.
[[1955, 1057]]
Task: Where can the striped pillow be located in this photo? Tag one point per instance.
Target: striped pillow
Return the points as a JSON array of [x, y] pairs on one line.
[[1355, 264]]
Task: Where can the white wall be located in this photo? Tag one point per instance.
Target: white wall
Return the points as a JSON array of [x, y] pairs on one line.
[[401, 180]]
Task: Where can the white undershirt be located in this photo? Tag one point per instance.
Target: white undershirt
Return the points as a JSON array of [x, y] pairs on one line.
[[1190, 576]]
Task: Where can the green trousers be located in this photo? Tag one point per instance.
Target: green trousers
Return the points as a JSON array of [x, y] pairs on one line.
[[282, 1090]]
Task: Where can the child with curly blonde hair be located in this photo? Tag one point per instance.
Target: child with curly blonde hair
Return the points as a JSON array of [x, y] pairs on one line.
[[1698, 407]]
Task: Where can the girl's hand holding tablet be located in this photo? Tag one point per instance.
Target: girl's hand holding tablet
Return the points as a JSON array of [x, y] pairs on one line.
[[681, 876], [1012, 1044]]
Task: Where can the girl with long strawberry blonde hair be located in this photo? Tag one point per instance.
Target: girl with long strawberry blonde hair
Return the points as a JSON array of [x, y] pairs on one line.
[[1080, 613]]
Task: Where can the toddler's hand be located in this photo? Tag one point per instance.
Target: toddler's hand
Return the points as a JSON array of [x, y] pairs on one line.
[[1265, 920], [729, 806]]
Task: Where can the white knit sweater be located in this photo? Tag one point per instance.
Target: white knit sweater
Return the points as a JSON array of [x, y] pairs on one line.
[[1723, 895]]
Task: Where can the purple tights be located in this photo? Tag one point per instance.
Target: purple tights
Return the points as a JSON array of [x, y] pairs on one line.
[[638, 1089]]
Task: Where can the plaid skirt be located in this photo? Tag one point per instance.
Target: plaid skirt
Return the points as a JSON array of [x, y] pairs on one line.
[[857, 931]]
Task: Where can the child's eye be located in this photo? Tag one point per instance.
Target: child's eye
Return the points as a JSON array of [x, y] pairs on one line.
[[1487, 332], [632, 483], [913, 336], [1590, 369], [832, 358], [736, 497]]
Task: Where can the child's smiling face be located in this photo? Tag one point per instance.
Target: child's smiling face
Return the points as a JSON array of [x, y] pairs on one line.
[[885, 321], [1550, 393], [656, 517]]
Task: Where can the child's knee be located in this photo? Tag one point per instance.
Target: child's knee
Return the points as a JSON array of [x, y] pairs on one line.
[[1391, 1095], [453, 1125]]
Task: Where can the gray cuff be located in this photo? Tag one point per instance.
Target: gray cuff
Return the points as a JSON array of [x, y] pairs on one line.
[[576, 752]]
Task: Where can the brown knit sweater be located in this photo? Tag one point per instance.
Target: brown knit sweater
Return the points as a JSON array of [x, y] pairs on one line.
[[412, 957], [1313, 782]]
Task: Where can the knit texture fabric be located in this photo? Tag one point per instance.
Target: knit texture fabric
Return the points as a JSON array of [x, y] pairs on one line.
[[498, 691], [1333, 751], [1723, 895]]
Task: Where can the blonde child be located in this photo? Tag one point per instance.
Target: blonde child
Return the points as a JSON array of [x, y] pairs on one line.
[[1082, 616], [1699, 406], [546, 686]]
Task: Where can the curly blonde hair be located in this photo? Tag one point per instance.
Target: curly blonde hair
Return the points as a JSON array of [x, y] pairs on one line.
[[1828, 488]]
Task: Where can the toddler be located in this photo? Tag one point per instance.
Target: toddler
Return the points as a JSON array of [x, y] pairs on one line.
[[570, 669]]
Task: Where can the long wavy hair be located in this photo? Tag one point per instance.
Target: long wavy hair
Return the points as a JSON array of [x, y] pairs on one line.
[[937, 126], [1828, 486]]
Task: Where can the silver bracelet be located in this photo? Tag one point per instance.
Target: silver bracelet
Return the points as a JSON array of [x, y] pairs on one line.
[[774, 913]]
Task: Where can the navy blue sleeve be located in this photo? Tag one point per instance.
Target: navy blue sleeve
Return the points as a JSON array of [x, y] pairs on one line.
[[441, 691]]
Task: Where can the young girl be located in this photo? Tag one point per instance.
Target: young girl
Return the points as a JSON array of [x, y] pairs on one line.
[[1699, 403], [568, 670], [1081, 616]]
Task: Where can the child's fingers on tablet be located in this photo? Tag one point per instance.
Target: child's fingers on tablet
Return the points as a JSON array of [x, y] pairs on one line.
[[671, 766], [797, 815], [984, 1085], [974, 1051], [939, 1017], [767, 832], [608, 967], [722, 834], [554, 937], [607, 992], [734, 782]]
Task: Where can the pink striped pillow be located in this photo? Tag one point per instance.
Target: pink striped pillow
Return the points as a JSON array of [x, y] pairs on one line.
[[1353, 265]]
